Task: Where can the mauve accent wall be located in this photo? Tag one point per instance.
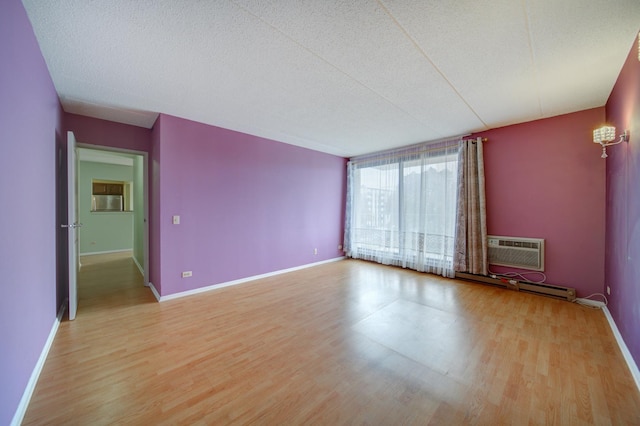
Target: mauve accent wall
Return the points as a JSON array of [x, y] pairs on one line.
[[108, 134], [623, 205], [95, 131], [247, 205], [545, 179], [30, 126]]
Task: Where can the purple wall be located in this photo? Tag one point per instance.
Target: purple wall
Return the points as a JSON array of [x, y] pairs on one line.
[[623, 205], [95, 131], [545, 179], [30, 126], [154, 206], [248, 205]]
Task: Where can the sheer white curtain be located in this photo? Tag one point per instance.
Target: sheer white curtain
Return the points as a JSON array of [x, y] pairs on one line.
[[401, 207]]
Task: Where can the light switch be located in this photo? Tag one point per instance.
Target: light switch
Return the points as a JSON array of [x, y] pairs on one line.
[[176, 220]]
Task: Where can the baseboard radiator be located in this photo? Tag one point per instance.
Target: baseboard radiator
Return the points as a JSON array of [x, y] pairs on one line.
[[559, 292]]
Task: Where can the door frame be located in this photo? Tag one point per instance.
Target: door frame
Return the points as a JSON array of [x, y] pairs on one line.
[[145, 194], [72, 225]]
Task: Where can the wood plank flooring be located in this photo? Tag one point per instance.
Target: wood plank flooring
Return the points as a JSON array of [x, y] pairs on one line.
[[348, 342]]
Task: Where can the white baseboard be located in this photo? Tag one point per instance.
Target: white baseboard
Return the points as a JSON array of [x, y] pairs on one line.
[[140, 268], [633, 367], [154, 291], [106, 252], [589, 302], [240, 281], [35, 374]]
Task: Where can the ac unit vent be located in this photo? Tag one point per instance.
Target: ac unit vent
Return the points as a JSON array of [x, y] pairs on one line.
[[523, 253]]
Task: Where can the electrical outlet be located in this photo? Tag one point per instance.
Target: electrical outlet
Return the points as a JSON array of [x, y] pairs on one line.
[[608, 291], [187, 274], [315, 251], [339, 246], [176, 220]]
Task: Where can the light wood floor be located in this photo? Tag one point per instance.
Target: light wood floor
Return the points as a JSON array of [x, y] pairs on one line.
[[343, 343]]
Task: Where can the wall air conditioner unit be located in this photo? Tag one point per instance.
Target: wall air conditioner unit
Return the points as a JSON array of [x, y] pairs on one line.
[[516, 252]]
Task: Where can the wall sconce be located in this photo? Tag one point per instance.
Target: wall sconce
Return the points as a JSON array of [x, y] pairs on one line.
[[605, 134]]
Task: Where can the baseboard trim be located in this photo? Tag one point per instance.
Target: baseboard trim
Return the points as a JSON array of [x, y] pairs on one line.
[[140, 268], [242, 280], [633, 367], [106, 252], [35, 374], [154, 291]]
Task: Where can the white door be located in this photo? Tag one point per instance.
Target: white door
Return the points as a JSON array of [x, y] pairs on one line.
[[72, 224]]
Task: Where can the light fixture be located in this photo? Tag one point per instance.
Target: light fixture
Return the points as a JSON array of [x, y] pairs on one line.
[[605, 134]]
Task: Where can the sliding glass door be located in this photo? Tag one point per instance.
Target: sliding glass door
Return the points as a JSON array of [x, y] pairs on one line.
[[402, 209]]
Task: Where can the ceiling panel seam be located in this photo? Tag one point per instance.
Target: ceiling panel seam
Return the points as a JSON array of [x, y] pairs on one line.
[[352, 76], [532, 53], [424, 53], [417, 119]]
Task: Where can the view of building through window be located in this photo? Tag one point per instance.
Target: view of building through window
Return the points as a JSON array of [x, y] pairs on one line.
[[405, 210]]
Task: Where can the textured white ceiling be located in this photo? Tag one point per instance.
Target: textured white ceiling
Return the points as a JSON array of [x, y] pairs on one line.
[[345, 77]]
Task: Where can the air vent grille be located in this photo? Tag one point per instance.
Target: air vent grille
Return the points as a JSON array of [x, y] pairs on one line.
[[523, 253]]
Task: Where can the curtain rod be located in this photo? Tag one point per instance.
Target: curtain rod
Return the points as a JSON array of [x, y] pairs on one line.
[[426, 146], [408, 147]]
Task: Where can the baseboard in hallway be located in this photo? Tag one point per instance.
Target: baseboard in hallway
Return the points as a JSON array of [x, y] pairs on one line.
[[106, 252]]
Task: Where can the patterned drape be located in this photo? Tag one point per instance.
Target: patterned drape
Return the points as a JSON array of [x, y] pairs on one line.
[[471, 224]]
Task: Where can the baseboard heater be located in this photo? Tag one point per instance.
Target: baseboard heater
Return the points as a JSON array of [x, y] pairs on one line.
[[559, 292]]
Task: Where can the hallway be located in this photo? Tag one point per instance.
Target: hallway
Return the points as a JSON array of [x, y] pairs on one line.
[[108, 282]]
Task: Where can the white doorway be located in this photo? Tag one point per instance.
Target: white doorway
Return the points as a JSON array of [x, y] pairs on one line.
[[72, 225], [107, 231]]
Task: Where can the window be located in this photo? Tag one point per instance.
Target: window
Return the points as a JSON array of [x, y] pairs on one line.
[[402, 208]]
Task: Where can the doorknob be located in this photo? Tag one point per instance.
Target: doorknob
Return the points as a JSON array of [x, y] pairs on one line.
[[73, 225]]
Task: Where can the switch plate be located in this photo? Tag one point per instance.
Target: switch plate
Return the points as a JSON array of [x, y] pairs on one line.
[[187, 274], [176, 220], [608, 291]]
